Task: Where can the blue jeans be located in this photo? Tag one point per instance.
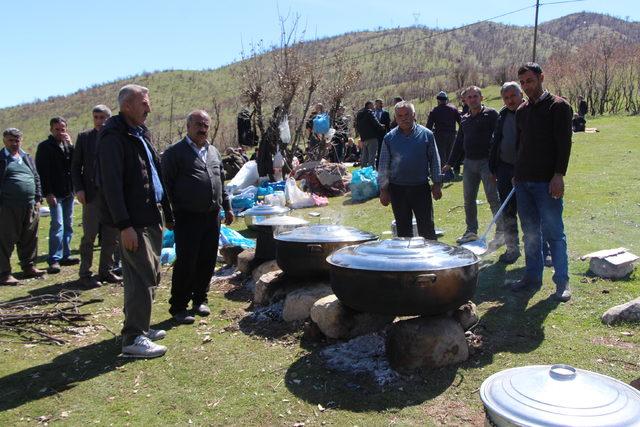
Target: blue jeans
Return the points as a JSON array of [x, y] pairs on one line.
[[541, 219], [61, 229]]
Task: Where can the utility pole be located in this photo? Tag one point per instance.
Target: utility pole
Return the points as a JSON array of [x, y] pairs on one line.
[[535, 31]]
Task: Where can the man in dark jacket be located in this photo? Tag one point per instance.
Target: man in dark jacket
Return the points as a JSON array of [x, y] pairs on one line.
[[474, 140], [20, 197], [501, 161], [53, 160], [384, 119], [84, 183], [583, 108], [544, 145], [442, 122], [133, 200], [194, 180], [369, 129]]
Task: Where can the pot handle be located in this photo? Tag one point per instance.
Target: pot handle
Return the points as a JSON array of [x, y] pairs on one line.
[[314, 248], [426, 278]]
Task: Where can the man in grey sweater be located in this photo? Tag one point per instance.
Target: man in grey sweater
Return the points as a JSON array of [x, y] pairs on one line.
[[408, 158]]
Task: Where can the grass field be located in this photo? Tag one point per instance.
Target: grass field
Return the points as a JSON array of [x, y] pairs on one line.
[[219, 372]]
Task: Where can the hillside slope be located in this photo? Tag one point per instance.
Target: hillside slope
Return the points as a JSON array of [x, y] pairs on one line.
[[412, 62]]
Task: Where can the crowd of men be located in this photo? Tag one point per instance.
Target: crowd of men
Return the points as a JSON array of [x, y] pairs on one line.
[[128, 192], [525, 148]]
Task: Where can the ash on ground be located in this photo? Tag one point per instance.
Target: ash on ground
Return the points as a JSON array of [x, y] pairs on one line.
[[271, 313], [362, 355], [227, 272]]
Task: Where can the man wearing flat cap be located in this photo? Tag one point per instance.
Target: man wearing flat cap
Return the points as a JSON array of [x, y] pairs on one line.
[[20, 196], [442, 122]]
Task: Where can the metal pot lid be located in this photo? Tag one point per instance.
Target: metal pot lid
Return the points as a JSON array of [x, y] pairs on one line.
[[259, 210], [322, 233], [402, 254], [284, 220], [560, 395]]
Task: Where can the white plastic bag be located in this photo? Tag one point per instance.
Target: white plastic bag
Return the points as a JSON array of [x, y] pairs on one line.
[[296, 198], [285, 132], [246, 176]]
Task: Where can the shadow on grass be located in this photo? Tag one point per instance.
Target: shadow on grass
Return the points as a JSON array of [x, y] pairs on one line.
[[350, 201], [54, 289], [63, 373], [510, 324], [44, 258], [311, 382]]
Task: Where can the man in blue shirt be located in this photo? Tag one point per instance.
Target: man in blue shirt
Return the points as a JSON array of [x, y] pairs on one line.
[[408, 158]]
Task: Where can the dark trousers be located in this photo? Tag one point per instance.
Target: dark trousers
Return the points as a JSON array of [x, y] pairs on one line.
[[141, 272], [196, 237], [444, 142], [108, 241], [504, 175], [413, 200], [18, 227]]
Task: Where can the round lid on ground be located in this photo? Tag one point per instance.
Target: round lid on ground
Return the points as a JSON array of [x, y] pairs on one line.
[[560, 395], [259, 210]]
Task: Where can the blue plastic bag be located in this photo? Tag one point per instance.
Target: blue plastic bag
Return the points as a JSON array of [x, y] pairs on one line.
[[276, 186], [168, 239], [364, 184], [168, 256], [244, 200], [321, 123], [230, 237]]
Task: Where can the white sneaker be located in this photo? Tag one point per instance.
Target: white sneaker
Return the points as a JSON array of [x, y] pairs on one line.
[[156, 334], [143, 348]]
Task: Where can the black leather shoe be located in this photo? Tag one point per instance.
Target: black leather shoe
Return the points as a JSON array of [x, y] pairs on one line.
[[110, 278], [69, 261], [53, 268], [201, 310], [184, 318], [525, 284]]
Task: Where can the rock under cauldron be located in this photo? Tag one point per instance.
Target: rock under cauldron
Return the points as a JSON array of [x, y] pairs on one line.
[[335, 320], [298, 303], [426, 342]]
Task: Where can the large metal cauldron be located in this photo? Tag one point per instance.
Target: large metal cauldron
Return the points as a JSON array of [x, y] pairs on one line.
[[302, 252], [558, 395], [259, 213], [265, 243], [404, 276]]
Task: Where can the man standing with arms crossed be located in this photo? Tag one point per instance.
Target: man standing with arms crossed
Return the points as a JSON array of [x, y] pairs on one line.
[[194, 181], [442, 122], [544, 145], [84, 183], [408, 158], [133, 200]]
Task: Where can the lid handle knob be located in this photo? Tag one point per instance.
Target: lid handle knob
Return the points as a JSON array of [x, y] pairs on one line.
[[562, 372]]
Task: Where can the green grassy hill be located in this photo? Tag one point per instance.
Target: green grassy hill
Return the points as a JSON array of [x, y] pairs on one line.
[[412, 62]]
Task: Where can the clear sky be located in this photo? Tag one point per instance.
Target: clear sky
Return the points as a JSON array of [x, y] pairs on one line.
[[55, 48]]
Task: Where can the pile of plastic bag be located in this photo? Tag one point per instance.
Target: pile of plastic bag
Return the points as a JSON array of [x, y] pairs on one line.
[[168, 252], [324, 178], [247, 176], [297, 199], [364, 184], [230, 237]]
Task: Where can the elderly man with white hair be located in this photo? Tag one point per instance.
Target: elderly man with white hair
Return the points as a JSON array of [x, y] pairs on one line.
[[408, 159], [133, 200]]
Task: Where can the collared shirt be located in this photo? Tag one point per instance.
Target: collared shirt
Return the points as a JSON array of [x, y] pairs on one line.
[[155, 177], [200, 152], [409, 159], [541, 97], [14, 158], [378, 113]]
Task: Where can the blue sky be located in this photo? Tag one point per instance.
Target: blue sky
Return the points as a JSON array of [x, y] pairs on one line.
[[55, 48]]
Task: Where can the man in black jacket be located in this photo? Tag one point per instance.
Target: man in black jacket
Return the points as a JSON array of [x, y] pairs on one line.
[[501, 162], [473, 141], [84, 183], [369, 129], [53, 160], [133, 200], [442, 122], [20, 197], [384, 119], [194, 180]]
